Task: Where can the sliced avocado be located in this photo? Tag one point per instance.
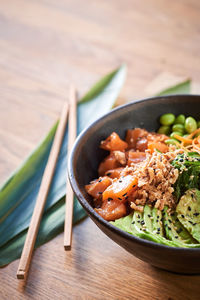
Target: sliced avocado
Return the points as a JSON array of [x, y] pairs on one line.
[[174, 230], [188, 212], [138, 225], [135, 225], [124, 223], [148, 218], [182, 232], [153, 220], [157, 222]]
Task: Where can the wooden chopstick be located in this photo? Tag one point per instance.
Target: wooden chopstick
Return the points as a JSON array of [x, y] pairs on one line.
[[72, 126], [42, 195]]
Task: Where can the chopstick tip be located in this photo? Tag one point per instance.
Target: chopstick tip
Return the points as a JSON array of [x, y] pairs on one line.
[[67, 247], [20, 274]]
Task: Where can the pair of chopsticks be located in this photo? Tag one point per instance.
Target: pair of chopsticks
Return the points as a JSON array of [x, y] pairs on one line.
[[69, 108]]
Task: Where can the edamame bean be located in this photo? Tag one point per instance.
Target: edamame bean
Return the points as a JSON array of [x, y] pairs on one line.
[[167, 119], [171, 142], [190, 124], [175, 132], [198, 124], [180, 119], [164, 130], [179, 128]]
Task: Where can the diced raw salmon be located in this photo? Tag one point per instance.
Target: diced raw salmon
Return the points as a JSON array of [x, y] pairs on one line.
[[142, 144], [114, 143], [133, 135], [98, 186], [109, 163], [162, 147], [115, 173], [112, 210], [135, 157], [120, 189]]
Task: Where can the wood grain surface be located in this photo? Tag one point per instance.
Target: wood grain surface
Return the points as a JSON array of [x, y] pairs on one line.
[[44, 46]]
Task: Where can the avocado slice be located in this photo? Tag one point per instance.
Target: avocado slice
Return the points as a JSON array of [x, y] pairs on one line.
[[153, 220], [174, 230], [188, 212], [182, 232], [137, 224], [124, 223], [148, 218], [157, 222], [141, 229]]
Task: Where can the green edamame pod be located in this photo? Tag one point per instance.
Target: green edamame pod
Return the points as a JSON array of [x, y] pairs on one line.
[[179, 128], [167, 119], [180, 119], [175, 132], [164, 130], [171, 142], [190, 124]]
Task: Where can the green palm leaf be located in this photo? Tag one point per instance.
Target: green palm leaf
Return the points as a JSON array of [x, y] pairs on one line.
[[181, 88], [18, 194]]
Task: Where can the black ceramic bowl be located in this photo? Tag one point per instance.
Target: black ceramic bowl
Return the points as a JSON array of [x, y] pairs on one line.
[[86, 156]]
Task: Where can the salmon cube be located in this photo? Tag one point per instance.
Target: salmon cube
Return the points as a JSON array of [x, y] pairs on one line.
[[109, 163], [162, 147], [114, 143], [115, 173], [98, 186], [120, 189], [135, 157], [142, 144], [133, 135], [112, 210]]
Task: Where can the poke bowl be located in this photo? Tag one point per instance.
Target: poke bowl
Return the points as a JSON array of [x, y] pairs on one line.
[[179, 255]]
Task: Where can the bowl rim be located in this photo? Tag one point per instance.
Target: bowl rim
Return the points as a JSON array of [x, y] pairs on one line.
[[88, 207]]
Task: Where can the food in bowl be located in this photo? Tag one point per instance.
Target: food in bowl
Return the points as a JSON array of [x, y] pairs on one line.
[[149, 183]]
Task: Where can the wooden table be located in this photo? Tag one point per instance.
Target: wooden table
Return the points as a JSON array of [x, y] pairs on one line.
[[45, 45]]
